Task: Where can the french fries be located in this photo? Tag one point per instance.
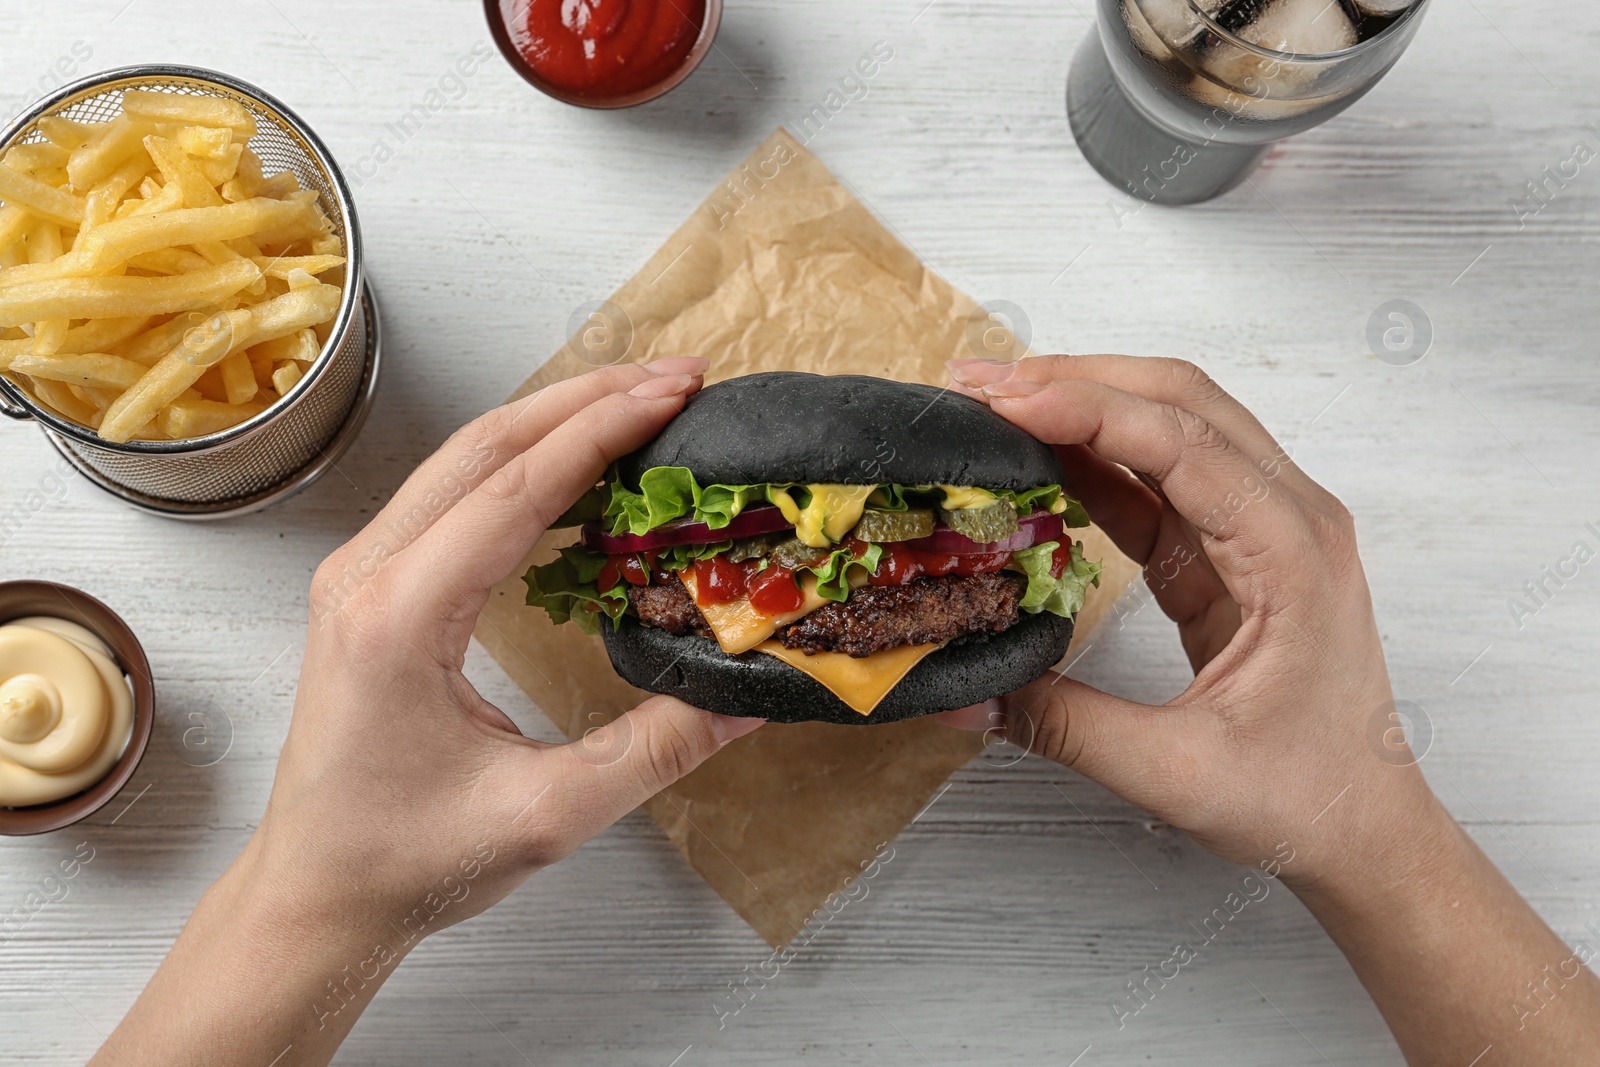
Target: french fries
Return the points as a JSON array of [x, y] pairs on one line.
[[296, 310], [179, 369], [178, 169], [95, 298], [188, 111], [45, 201], [114, 243], [169, 261], [14, 223], [65, 133], [299, 347], [60, 398], [168, 198], [208, 142], [94, 369], [155, 283], [280, 266], [44, 245], [238, 379], [36, 157], [197, 416], [286, 377], [106, 151], [101, 204], [96, 335], [247, 179]]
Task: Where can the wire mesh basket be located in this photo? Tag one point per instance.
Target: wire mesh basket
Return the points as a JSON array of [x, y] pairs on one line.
[[282, 449]]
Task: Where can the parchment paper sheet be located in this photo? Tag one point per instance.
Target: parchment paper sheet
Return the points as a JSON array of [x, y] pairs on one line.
[[780, 269]]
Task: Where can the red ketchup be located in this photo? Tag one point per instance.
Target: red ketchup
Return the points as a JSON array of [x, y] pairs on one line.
[[901, 564], [604, 49], [774, 591], [716, 581], [618, 569]]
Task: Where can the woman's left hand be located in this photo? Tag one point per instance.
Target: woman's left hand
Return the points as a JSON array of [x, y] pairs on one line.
[[404, 801]]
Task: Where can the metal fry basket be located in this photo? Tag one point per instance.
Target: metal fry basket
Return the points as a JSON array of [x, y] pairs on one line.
[[283, 449]]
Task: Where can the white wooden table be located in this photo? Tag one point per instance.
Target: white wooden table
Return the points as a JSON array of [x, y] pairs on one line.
[[1010, 918]]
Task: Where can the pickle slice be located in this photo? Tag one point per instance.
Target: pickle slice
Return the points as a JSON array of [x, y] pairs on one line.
[[795, 553], [996, 522], [752, 547], [885, 526]]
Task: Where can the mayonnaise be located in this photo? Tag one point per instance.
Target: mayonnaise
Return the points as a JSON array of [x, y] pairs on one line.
[[66, 711], [833, 512]]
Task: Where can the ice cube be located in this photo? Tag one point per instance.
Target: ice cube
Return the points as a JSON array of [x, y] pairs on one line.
[[1304, 27], [1173, 22], [1144, 35], [1234, 15], [1383, 7], [1242, 106]]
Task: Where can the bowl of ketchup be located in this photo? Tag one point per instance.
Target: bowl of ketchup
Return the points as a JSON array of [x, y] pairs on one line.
[[604, 53]]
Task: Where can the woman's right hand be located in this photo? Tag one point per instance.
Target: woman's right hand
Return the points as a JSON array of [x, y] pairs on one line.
[[1285, 750], [1284, 744]]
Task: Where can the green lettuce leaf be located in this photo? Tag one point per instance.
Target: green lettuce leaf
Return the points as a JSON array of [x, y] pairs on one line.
[[680, 556], [668, 493], [889, 497], [566, 590], [1075, 515], [1059, 596], [590, 507], [1044, 498], [833, 576]]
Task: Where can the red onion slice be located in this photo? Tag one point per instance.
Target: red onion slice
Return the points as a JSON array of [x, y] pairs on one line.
[[1037, 528]]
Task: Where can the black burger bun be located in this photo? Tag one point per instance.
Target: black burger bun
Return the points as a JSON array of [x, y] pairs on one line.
[[846, 429], [851, 430], [967, 671]]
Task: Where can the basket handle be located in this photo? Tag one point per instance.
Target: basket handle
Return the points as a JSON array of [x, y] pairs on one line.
[[9, 406]]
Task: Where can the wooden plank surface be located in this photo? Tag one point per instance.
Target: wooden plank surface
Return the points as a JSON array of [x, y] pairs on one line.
[[1009, 920]]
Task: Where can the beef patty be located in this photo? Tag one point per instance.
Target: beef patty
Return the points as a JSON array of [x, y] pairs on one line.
[[668, 607], [922, 612]]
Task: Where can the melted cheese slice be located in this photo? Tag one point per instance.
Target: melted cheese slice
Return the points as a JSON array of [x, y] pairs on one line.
[[860, 683], [740, 627]]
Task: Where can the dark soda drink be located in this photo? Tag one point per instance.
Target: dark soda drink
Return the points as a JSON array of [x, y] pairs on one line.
[[1177, 100]]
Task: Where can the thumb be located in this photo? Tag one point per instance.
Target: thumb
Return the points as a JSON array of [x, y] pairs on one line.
[[1135, 750], [640, 753]]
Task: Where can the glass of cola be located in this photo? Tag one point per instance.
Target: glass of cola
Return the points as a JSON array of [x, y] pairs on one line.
[[1176, 101]]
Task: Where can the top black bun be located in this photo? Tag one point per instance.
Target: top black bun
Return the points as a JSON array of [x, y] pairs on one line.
[[786, 426]]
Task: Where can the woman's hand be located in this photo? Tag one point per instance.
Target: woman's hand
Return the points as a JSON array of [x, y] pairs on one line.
[[404, 802], [394, 765], [1270, 750], [1285, 750]]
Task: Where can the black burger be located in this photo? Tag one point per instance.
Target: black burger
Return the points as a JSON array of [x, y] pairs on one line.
[[800, 547]]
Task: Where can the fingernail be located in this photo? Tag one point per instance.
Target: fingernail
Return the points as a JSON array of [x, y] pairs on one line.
[[727, 728], [980, 372], [678, 365], [979, 718], [657, 388], [1020, 387]]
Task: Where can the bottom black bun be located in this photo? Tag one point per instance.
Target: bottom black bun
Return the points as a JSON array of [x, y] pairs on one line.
[[967, 671]]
